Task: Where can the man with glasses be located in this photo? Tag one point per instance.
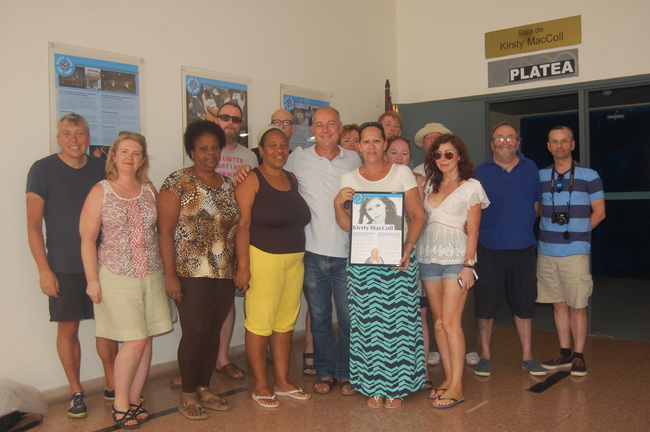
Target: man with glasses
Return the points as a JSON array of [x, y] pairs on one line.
[[233, 154], [57, 186], [506, 251], [573, 204], [283, 119]]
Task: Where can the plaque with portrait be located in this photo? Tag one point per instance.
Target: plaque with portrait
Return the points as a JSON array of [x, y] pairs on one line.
[[377, 231]]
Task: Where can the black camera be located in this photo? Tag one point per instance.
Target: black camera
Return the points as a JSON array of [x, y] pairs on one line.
[[560, 218]]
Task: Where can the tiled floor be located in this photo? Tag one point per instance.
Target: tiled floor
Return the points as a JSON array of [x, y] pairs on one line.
[[614, 396]]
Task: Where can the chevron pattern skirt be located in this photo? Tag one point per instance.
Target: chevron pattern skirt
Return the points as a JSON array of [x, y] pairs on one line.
[[386, 346]]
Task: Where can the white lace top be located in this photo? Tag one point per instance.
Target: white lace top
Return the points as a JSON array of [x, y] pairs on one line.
[[443, 240]]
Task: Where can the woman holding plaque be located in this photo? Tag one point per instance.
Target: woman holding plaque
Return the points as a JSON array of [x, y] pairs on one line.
[[453, 198], [385, 357]]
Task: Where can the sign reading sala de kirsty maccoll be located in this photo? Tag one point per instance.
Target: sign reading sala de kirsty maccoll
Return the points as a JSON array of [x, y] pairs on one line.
[[534, 37]]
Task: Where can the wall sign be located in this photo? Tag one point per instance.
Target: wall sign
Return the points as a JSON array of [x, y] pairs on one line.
[[559, 64], [534, 37]]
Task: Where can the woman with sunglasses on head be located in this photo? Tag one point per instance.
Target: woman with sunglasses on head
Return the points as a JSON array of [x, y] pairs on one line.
[[447, 255], [385, 357]]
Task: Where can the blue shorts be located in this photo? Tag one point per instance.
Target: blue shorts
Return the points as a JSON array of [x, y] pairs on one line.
[[438, 272]]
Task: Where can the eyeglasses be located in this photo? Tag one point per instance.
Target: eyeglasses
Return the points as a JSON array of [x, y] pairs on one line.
[[226, 118], [281, 123], [509, 140], [449, 154], [558, 183]]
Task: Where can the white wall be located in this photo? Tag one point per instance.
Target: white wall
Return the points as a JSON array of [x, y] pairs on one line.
[[441, 44], [347, 48]]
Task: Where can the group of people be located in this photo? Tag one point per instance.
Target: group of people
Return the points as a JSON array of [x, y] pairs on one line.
[[283, 231]]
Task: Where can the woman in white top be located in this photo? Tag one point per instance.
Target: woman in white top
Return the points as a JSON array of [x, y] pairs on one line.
[[446, 254]]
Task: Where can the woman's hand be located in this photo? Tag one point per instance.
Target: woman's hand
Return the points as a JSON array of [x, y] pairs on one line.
[[242, 279], [405, 262], [173, 287], [466, 275], [94, 291], [343, 196]]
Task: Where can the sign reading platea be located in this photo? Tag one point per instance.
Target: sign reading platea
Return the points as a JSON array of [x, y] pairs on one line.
[[534, 37]]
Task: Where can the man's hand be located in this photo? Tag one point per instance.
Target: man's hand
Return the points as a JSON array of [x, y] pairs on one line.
[[49, 283], [242, 173]]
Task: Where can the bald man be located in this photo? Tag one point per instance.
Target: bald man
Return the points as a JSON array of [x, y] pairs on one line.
[[281, 118]]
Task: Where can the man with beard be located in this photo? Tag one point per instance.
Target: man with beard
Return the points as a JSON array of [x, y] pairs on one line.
[[506, 251], [233, 154]]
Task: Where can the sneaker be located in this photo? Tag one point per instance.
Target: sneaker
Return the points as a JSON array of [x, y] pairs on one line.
[[533, 367], [483, 368], [434, 358], [109, 395], [472, 358], [557, 362], [78, 407], [578, 367]]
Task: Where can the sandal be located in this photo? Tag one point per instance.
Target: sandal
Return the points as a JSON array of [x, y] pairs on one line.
[[392, 403], [350, 391], [375, 402], [308, 369], [221, 405], [177, 381], [428, 385], [183, 408], [232, 371], [327, 382], [127, 416], [137, 410], [434, 393]]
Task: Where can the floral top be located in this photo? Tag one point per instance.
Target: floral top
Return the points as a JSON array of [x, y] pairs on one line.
[[204, 239], [129, 244]]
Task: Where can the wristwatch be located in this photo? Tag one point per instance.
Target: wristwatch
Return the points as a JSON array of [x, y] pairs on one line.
[[469, 263]]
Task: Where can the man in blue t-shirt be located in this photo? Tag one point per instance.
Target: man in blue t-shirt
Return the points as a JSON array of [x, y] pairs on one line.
[[573, 203], [57, 187], [506, 259]]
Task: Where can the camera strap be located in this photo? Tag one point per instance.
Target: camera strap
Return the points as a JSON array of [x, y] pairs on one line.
[[554, 189]]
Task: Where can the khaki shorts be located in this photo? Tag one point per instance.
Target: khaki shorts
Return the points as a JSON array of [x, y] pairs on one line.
[[131, 308], [564, 279]]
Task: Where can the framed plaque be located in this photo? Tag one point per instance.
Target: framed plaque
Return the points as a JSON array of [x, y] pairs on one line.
[[377, 231]]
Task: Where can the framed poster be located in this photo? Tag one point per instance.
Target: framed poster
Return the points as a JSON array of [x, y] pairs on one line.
[[377, 232], [105, 88], [204, 92], [301, 103]]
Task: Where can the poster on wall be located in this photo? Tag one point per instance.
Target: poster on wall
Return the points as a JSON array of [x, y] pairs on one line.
[[105, 88], [204, 92], [301, 103], [377, 228]]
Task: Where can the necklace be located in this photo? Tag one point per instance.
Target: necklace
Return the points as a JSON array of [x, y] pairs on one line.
[[507, 168]]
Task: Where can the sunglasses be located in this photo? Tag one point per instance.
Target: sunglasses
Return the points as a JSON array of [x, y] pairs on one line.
[[449, 154], [226, 118]]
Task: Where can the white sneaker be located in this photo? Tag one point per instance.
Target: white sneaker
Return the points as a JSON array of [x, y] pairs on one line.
[[434, 358], [472, 358]]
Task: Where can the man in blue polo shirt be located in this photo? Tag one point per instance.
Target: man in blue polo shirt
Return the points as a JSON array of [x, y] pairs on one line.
[[573, 204], [506, 251]]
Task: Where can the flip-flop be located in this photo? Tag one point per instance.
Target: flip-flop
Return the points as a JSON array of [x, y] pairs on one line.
[[222, 406], [455, 402], [389, 403], [258, 398], [428, 385], [378, 404], [292, 394], [231, 370], [183, 409], [330, 385], [433, 395]]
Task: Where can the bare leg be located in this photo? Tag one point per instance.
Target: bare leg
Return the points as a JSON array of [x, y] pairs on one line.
[[579, 325], [107, 350], [562, 318], [281, 349], [485, 335], [256, 352], [141, 375], [69, 349], [127, 362], [425, 334], [434, 295], [525, 330]]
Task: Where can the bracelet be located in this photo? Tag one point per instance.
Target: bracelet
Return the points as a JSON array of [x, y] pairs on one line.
[[409, 241], [468, 266]]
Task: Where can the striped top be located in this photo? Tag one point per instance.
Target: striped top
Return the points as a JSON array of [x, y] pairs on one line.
[[587, 187]]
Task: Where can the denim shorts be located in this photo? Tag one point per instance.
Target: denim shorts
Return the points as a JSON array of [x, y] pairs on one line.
[[438, 272]]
